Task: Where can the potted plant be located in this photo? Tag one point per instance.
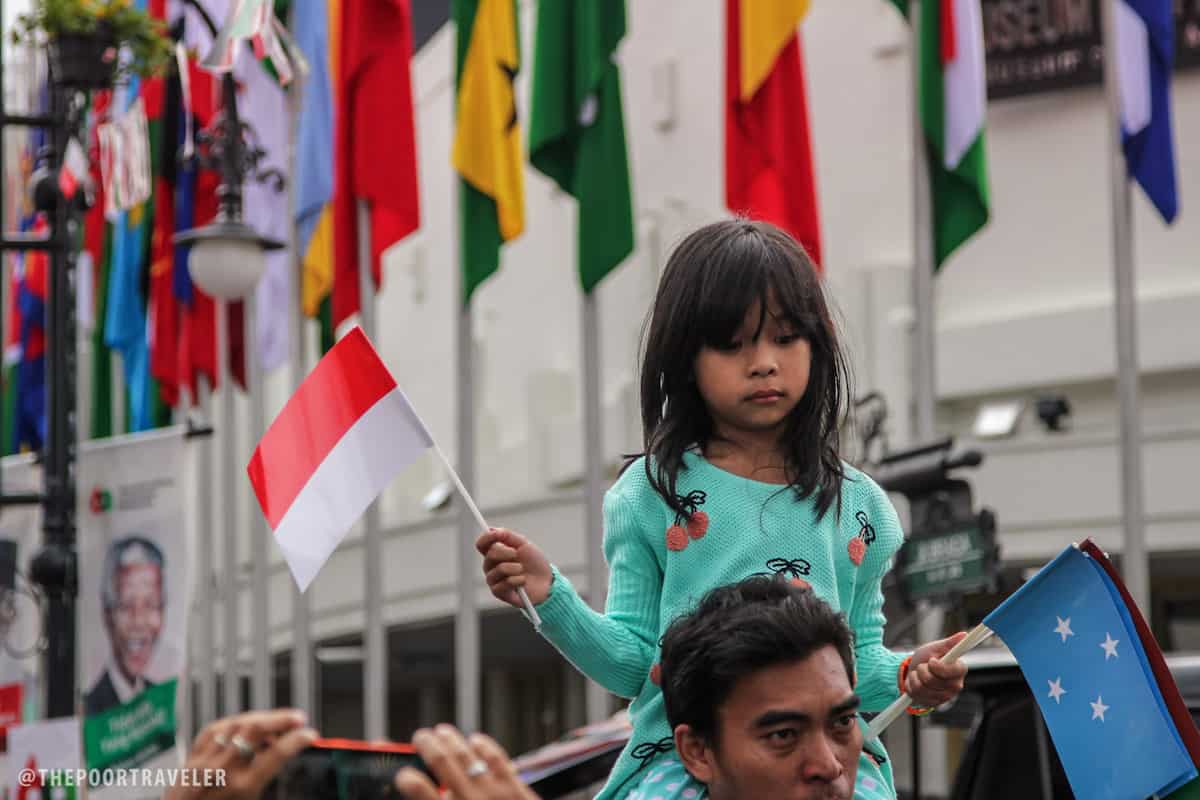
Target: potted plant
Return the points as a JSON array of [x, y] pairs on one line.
[[84, 37]]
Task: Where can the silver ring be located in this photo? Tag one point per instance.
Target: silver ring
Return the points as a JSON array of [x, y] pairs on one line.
[[476, 768], [244, 748], [220, 740]]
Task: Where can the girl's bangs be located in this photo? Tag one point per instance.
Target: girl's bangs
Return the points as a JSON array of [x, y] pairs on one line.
[[735, 280], [747, 272]]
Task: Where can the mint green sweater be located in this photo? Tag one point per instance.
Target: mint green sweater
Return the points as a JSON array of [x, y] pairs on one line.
[[746, 528]]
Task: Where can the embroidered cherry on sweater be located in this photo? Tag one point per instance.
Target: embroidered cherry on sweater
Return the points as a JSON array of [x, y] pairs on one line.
[[697, 522], [858, 545]]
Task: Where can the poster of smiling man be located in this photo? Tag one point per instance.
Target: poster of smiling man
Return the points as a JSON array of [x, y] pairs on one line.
[[134, 586]]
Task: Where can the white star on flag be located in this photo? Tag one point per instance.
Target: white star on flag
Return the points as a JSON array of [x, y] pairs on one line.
[[1098, 708], [1056, 690], [1110, 646], [1064, 627]]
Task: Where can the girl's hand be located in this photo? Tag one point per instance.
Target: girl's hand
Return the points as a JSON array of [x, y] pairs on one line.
[[930, 681], [511, 561]]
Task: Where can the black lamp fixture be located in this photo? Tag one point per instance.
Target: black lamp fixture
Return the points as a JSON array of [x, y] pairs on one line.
[[227, 257]]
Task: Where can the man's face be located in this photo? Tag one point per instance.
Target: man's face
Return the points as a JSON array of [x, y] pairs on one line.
[[787, 732], [136, 621]]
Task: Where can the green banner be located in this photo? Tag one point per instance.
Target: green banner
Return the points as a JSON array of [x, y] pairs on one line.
[[945, 563], [129, 735]]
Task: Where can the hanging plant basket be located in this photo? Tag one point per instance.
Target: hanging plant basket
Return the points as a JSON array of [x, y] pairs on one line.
[[84, 60]]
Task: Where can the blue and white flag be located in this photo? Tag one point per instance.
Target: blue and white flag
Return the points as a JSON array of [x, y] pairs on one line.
[[1145, 54], [1081, 655]]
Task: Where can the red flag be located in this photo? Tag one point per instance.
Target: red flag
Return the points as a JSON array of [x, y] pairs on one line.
[[768, 153], [10, 711], [163, 308], [198, 331], [375, 141]]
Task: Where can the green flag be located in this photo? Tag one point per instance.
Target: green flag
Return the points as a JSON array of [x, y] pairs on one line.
[[9, 416], [102, 409], [576, 128]]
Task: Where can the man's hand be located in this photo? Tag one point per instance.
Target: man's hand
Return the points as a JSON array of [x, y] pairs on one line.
[[251, 748], [475, 769]]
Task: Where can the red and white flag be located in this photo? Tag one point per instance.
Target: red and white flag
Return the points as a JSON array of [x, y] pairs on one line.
[[342, 437]]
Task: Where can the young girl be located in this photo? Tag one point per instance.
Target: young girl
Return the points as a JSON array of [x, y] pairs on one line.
[[743, 384]]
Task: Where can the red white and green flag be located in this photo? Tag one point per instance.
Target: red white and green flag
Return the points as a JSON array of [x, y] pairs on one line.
[[952, 93]]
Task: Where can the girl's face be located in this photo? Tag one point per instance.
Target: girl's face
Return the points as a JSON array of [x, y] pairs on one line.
[[751, 383]]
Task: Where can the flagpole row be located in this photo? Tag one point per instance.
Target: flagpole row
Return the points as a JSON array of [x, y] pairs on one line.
[[530, 612], [979, 635]]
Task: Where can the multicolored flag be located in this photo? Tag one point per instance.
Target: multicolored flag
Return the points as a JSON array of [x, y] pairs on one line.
[[487, 135], [769, 172], [1145, 55], [340, 440], [316, 22], [952, 103]]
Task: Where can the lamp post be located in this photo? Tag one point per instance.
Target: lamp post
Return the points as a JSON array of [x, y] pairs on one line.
[[227, 256]]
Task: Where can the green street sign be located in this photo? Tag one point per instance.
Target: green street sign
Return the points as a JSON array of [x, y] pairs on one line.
[[954, 562]]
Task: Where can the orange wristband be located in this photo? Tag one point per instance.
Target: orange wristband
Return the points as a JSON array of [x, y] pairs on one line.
[[902, 676], [902, 679]]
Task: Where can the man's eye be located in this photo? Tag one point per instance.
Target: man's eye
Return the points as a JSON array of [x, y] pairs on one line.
[[782, 736], [847, 721]]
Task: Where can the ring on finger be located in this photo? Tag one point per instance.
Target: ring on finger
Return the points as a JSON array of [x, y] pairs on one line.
[[220, 740], [244, 748], [477, 768]]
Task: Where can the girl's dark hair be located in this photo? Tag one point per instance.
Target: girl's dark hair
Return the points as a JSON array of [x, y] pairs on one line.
[[735, 631], [711, 281]]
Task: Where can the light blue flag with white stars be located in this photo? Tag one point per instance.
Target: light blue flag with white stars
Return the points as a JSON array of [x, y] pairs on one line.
[[1077, 646]]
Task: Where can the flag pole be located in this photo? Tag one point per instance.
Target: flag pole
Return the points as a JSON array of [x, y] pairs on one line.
[[593, 465], [928, 745], [1134, 566], [470, 522], [229, 584], [979, 635], [260, 694], [375, 705], [925, 342], [302, 686], [530, 612], [204, 561]]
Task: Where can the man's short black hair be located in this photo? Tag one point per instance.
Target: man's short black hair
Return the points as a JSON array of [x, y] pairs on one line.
[[735, 631]]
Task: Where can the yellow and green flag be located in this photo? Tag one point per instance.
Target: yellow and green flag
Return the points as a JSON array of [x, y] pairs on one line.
[[487, 138]]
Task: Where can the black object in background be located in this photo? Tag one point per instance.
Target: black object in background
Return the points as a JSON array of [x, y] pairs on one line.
[[343, 769]]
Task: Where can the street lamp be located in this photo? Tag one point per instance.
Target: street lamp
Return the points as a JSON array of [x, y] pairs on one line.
[[227, 257]]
